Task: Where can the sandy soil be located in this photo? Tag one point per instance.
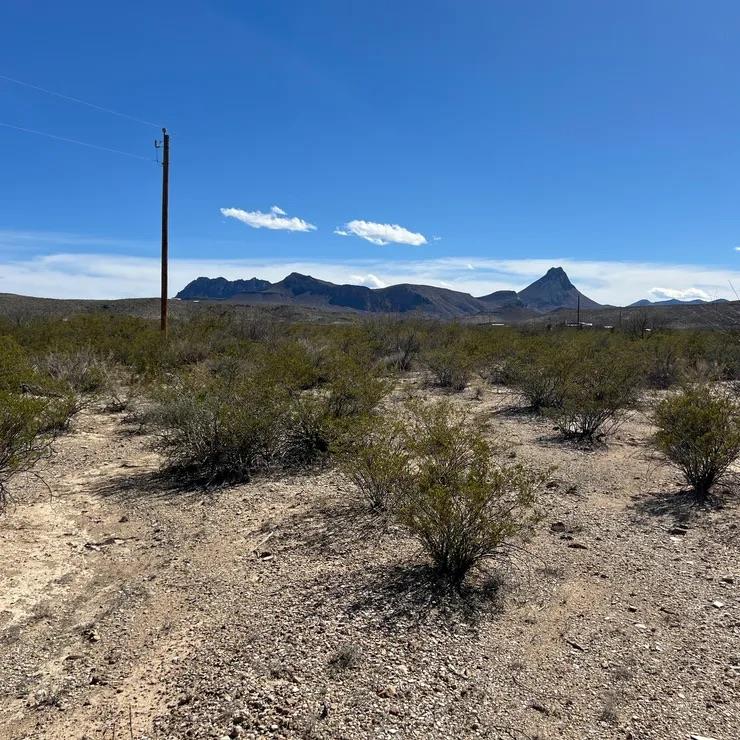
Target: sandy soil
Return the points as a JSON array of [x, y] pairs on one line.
[[281, 609]]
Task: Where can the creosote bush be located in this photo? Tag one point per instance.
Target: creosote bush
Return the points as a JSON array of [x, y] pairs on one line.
[[376, 460], [436, 471], [22, 438], [461, 505], [450, 367], [224, 425], [538, 372], [597, 388], [699, 432]]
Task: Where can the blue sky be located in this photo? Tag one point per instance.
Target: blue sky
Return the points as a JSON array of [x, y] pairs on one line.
[[504, 135]]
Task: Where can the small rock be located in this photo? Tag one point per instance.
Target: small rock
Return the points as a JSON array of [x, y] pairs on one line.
[[718, 604], [578, 545], [727, 579]]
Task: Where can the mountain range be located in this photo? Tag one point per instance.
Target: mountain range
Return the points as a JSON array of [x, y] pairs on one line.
[[552, 291], [675, 302]]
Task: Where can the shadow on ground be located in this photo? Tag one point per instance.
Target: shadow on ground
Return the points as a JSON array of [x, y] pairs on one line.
[[148, 486], [395, 597], [680, 507]]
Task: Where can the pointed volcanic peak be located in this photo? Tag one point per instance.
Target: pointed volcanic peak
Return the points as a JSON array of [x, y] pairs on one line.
[[553, 291]]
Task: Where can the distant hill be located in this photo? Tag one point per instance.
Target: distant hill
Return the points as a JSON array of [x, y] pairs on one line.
[[675, 302], [552, 291]]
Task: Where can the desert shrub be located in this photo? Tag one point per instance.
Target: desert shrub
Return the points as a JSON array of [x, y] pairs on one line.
[[15, 367], [308, 432], [597, 387], [664, 361], [461, 505], [376, 461], [59, 410], [22, 441], [449, 366], [216, 430], [538, 373], [699, 432], [353, 388], [396, 342], [82, 370], [224, 425]]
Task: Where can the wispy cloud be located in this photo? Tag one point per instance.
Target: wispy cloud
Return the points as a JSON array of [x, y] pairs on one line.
[[275, 219], [381, 234]]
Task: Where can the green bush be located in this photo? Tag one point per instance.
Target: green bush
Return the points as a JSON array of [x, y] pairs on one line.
[[699, 432], [15, 367], [223, 426], [353, 386], [597, 387], [308, 432], [460, 504], [538, 373], [215, 431], [22, 441], [450, 367], [376, 461]]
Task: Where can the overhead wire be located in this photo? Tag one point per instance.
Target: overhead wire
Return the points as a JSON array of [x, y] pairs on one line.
[[80, 101], [75, 141]]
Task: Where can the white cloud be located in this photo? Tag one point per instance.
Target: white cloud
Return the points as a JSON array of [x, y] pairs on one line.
[[382, 234], [275, 219], [372, 281], [689, 294], [437, 238]]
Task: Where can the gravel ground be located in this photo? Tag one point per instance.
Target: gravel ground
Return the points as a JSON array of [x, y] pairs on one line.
[[282, 609]]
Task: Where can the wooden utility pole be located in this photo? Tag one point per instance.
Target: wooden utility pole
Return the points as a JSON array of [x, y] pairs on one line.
[[165, 225]]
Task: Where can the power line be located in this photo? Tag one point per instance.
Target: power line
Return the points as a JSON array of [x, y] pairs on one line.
[[78, 100], [74, 141]]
